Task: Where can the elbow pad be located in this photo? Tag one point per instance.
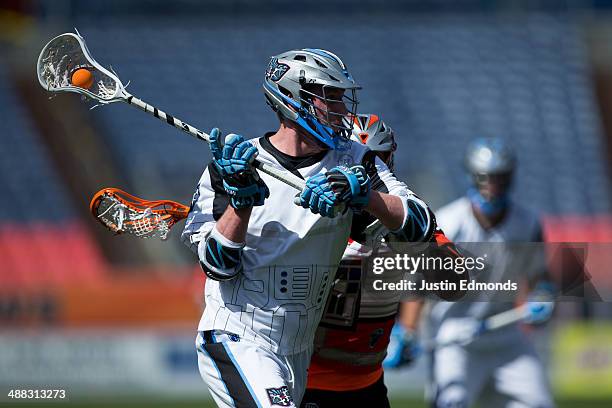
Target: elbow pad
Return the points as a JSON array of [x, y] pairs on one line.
[[419, 222], [220, 258]]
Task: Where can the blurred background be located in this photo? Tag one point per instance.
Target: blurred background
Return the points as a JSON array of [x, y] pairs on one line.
[[112, 318]]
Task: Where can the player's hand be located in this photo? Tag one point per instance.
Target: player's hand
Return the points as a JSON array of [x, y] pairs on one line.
[[540, 304], [234, 161], [351, 185], [403, 348], [319, 197], [234, 157], [460, 331]]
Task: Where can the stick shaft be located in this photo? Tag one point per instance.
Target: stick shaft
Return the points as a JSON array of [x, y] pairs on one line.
[[283, 176], [505, 318], [491, 323]]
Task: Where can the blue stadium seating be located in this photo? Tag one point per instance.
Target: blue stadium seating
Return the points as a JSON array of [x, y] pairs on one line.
[[31, 187], [439, 82]]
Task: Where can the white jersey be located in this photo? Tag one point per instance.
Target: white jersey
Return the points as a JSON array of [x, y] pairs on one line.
[[460, 225], [290, 257], [499, 368]]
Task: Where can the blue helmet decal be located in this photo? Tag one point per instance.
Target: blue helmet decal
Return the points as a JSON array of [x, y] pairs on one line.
[[276, 70]]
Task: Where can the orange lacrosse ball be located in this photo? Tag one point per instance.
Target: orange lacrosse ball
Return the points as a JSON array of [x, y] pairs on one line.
[[83, 78]]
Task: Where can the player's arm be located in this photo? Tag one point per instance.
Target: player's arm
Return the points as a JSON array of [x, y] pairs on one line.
[[373, 189], [387, 208], [405, 215], [234, 223], [410, 313], [220, 214], [404, 346], [541, 299]]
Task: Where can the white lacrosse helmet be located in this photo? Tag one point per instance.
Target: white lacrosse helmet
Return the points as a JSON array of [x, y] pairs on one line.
[[370, 130], [287, 85]]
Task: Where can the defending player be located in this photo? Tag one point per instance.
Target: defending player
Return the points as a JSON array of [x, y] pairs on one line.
[[351, 342], [500, 367], [269, 262]]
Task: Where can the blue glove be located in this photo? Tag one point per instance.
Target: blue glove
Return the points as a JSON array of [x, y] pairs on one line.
[[319, 196], [246, 194], [351, 185], [234, 161], [540, 304], [235, 156], [403, 348], [326, 193]]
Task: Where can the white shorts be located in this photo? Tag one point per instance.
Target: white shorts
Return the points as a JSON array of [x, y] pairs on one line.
[[508, 374], [243, 374]]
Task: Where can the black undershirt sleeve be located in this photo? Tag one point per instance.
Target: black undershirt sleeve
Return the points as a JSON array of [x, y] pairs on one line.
[[221, 200], [362, 220]]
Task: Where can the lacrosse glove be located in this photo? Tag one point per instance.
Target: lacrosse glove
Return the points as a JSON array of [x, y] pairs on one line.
[[319, 196], [540, 304], [234, 161], [403, 348], [333, 192], [351, 185]]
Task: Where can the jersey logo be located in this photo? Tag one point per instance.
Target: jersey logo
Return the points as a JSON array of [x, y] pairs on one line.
[[279, 396], [276, 70]]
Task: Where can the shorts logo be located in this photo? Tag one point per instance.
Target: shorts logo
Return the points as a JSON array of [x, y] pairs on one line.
[[276, 70], [279, 396]]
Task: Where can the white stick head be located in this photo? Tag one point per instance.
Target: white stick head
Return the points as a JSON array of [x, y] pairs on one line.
[[65, 54]]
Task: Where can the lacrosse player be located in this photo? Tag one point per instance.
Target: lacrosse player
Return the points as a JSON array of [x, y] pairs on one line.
[[499, 368], [269, 262], [351, 342]]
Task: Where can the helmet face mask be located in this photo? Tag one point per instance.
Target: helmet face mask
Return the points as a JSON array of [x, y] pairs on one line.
[[492, 186], [331, 107], [312, 88]]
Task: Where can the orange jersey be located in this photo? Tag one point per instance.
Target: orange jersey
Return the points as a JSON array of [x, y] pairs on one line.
[[348, 360]]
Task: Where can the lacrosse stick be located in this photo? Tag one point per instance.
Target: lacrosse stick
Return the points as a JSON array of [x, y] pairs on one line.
[[121, 213], [67, 53], [487, 325]]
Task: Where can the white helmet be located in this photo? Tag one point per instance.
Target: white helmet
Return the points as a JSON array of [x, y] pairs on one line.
[[490, 156], [370, 130], [286, 85], [490, 160]]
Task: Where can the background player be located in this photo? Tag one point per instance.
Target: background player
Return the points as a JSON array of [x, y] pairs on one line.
[[500, 366], [351, 342], [265, 296]]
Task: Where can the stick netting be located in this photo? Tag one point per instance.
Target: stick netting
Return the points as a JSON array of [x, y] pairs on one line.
[[143, 223], [62, 57]]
